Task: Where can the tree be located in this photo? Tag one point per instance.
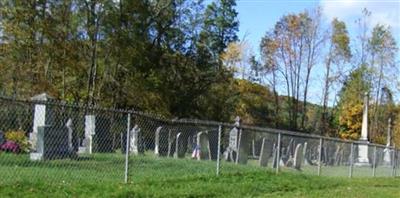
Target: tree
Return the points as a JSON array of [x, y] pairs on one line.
[[292, 48], [268, 48], [350, 107], [382, 47], [219, 29], [314, 42], [339, 53]]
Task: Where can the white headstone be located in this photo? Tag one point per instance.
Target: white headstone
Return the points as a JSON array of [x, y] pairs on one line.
[[39, 117], [134, 139], [90, 128], [176, 154], [70, 131], [233, 139], [387, 159], [157, 141]]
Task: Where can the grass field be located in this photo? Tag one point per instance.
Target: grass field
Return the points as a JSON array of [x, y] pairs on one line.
[[101, 175]]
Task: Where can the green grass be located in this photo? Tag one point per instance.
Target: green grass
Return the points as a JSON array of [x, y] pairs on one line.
[[101, 175]]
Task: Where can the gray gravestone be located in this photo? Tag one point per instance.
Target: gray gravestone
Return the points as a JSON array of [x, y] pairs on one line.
[[244, 147], [298, 156], [179, 146], [265, 153], [204, 146]]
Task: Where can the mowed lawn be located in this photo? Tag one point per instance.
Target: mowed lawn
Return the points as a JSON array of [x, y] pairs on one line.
[[102, 175]]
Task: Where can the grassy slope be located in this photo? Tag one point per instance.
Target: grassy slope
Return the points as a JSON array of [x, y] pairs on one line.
[[101, 176]]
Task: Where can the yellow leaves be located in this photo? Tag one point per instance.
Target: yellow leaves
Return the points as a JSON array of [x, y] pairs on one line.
[[350, 119]]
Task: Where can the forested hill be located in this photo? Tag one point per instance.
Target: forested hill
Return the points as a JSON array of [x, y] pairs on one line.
[[183, 58]]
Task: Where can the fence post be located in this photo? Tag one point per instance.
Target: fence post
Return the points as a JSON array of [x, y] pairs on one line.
[[278, 151], [127, 147], [351, 160], [320, 156], [219, 149], [374, 163]]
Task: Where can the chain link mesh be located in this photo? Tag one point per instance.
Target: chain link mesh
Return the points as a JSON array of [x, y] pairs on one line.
[[50, 140]]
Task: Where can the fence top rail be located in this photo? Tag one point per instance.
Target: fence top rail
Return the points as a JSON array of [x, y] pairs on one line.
[[186, 121]]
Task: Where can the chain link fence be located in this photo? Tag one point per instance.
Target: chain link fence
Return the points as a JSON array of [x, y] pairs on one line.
[[47, 140]]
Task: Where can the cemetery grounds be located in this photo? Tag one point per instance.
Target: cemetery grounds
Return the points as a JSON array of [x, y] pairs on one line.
[[110, 172]]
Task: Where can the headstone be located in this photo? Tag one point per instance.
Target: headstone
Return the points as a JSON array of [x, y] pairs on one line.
[[265, 153], [244, 147], [306, 154], [362, 159], [134, 140], [298, 156], [163, 142], [157, 141], [73, 145], [179, 146], [90, 131], [387, 156], [387, 152], [70, 133], [203, 146], [231, 151], [42, 116]]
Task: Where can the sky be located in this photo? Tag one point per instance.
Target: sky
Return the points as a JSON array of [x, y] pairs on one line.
[[256, 17]]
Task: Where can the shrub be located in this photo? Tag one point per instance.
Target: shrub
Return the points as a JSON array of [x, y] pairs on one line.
[[10, 146], [19, 138]]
